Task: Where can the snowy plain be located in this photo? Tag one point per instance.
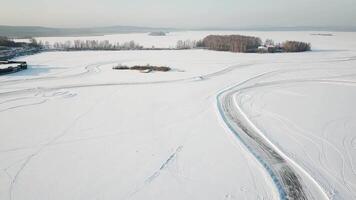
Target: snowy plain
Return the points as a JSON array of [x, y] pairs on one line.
[[72, 128]]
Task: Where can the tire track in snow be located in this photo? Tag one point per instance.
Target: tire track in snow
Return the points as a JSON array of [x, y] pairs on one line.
[[286, 181], [277, 164], [332, 193], [75, 86]]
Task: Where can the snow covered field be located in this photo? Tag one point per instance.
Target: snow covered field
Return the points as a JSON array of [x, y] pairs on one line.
[[72, 128]]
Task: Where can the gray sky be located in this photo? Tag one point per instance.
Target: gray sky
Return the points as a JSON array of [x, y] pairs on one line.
[[178, 13]]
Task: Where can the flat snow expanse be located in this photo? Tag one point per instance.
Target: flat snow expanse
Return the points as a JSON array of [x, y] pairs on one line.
[[72, 128]]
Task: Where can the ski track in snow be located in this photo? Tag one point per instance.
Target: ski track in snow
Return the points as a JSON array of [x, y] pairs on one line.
[[44, 146], [157, 173]]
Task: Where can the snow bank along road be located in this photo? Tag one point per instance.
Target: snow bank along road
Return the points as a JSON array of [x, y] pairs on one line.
[[72, 128]]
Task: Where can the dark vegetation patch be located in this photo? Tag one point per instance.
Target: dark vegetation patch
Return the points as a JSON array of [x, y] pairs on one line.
[[157, 33], [233, 43], [248, 44], [143, 68], [6, 42], [322, 34], [295, 46]]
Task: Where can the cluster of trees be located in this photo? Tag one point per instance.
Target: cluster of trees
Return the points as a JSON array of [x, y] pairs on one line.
[[233, 43], [187, 44], [6, 42], [248, 44], [295, 46], [10, 49], [96, 45]]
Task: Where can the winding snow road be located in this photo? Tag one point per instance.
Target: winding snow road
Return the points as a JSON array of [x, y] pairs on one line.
[[284, 172]]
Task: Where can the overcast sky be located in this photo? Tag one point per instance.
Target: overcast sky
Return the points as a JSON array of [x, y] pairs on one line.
[[178, 13]]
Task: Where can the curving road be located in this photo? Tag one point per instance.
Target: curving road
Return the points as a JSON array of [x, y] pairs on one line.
[[289, 183]]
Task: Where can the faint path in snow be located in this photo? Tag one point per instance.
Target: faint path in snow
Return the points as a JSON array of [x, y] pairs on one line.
[[90, 69], [157, 173], [53, 141], [88, 85], [32, 100], [164, 165]]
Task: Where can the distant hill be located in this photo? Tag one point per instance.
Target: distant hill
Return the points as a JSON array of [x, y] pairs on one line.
[[287, 28], [38, 31]]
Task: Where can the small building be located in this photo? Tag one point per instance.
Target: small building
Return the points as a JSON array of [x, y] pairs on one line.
[[262, 49], [7, 67]]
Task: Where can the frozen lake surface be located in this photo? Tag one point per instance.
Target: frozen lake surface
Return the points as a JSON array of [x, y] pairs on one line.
[[72, 128]]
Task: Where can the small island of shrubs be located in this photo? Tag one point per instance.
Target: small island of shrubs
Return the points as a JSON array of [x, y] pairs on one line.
[[158, 33], [143, 68]]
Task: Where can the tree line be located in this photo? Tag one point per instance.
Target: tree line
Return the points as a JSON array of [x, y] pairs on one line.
[[96, 45], [248, 44], [295, 46], [233, 43]]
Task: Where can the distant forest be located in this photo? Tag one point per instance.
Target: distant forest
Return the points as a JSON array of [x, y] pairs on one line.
[[248, 44], [233, 43]]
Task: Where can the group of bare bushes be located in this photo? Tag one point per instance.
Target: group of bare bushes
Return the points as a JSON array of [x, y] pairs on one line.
[[146, 68], [96, 45], [186, 44], [295, 46]]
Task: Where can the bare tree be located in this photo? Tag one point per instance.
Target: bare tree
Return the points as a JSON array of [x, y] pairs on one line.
[[269, 42]]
